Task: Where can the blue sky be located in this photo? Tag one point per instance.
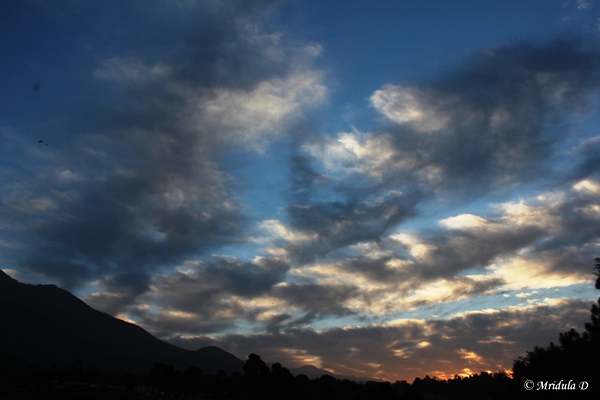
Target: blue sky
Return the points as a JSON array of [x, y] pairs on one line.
[[382, 188]]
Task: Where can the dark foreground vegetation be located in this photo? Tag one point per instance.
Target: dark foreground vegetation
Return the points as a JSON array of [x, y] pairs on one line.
[[560, 367], [257, 381]]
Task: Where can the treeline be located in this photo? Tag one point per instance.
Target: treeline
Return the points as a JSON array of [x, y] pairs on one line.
[[258, 381]]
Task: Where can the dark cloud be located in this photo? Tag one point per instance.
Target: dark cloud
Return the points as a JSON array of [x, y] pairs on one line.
[[455, 252], [302, 177], [278, 322], [212, 295], [489, 126], [559, 233], [165, 323], [128, 225], [377, 269], [317, 300], [136, 184], [469, 287], [110, 303], [340, 223], [588, 156], [449, 252], [208, 297], [478, 341], [210, 281], [492, 122]]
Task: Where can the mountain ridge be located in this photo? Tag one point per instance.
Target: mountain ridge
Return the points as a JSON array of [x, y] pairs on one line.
[[313, 372], [49, 325]]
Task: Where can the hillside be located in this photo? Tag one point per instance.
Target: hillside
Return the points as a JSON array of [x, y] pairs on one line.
[[46, 325]]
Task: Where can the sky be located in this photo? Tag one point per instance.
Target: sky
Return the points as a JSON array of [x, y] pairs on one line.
[[384, 188]]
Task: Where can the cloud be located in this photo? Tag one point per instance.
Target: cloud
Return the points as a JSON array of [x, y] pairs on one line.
[[586, 154], [553, 232], [143, 185], [583, 4], [412, 106], [464, 221], [221, 277], [354, 153], [199, 296], [132, 72], [258, 117], [405, 349], [542, 241], [341, 223], [316, 299], [486, 126]]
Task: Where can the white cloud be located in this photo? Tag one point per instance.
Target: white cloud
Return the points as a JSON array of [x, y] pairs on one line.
[[409, 105], [462, 221], [67, 175], [522, 214], [257, 116], [417, 249], [521, 273], [280, 230], [355, 152], [522, 295], [470, 356], [588, 186]]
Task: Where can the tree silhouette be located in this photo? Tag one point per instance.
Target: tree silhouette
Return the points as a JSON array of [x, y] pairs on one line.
[[255, 367], [593, 328], [192, 379], [257, 378], [161, 377], [282, 381]]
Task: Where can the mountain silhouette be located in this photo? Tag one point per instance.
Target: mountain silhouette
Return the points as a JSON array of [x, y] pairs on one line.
[[313, 372], [46, 325]]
